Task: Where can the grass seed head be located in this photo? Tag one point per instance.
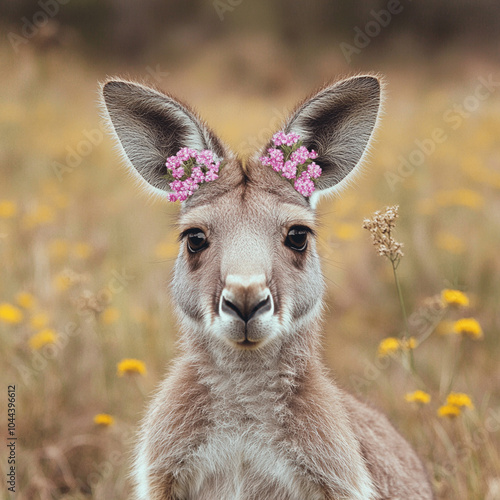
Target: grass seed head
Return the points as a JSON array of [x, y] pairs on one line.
[[380, 226]]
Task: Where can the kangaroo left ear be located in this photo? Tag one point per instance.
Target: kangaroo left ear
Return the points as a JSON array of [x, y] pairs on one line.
[[151, 126], [338, 123]]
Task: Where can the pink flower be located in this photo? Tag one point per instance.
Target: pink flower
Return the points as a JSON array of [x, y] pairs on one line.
[[201, 165], [211, 175], [177, 173], [300, 155], [214, 167], [197, 175], [289, 170], [265, 160], [295, 164], [304, 185], [176, 185], [314, 170], [276, 158], [205, 158], [281, 139]]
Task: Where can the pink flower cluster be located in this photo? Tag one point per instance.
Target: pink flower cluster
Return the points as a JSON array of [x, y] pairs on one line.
[[188, 169], [294, 161], [281, 139]]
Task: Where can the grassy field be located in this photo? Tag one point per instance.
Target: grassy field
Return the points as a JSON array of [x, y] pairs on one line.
[[86, 262]]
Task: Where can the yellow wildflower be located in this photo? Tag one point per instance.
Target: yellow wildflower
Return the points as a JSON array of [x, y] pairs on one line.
[[460, 400], [82, 250], [409, 344], [43, 214], [454, 298], [39, 321], [450, 243], [43, 338], [7, 209], [25, 300], [346, 231], [468, 326], [418, 396], [110, 315], [449, 411], [68, 278], [129, 366], [464, 197], [388, 346], [62, 282], [104, 420], [10, 313]]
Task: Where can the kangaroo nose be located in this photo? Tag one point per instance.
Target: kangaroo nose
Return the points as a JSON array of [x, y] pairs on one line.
[[246, 297], [246, 311]]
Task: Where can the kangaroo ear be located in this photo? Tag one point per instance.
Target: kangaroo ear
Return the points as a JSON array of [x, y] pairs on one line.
[[338, 123], [151, 126]]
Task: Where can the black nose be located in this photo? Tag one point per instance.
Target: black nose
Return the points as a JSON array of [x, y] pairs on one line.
[[244, 310]]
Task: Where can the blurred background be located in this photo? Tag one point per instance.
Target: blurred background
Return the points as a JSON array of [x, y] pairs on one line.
[[86, 259]]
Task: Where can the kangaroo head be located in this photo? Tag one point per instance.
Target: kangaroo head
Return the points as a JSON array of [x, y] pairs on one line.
[[247, 278]]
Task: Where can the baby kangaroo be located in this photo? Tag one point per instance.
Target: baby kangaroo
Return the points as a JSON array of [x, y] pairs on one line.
[[247, 411]]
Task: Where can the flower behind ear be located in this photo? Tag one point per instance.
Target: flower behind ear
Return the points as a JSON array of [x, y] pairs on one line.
[[189, 168], [294, 161]]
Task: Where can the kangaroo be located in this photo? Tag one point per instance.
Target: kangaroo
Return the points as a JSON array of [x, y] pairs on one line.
[[247, 411]]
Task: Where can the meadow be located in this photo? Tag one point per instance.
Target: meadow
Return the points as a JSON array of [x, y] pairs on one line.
[[86, 261]]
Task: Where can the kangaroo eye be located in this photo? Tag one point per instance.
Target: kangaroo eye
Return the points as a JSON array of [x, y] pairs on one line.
[[196, 240], [296, 238]]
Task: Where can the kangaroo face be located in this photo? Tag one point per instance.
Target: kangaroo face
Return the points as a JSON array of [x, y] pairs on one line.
[[248, 272], [247, 276]]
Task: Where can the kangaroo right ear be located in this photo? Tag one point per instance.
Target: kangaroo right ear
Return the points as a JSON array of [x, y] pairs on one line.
[[151, 126], [338, 123]]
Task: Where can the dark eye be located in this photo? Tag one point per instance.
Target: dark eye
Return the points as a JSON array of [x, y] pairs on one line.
[[196, 240], [296, 238]]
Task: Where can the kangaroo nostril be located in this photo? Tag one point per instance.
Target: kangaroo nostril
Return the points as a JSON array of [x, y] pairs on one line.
[[262, 307], [246, 312], [229, 308]]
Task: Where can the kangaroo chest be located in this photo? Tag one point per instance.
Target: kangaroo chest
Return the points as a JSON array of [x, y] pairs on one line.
[[241, 464], [245, 455]]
